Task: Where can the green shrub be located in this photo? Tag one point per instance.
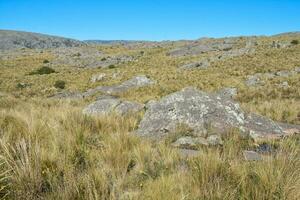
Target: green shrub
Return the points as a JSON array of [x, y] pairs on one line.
[[43, 70], [295, 42], [46, 61], [111, 66], [60, 84], [103, 59]]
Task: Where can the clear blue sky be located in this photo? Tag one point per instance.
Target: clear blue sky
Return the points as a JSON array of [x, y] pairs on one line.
[[152, 19]]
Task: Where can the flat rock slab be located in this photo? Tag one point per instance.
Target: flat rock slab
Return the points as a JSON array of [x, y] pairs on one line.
[[201, 112], [108, 105]]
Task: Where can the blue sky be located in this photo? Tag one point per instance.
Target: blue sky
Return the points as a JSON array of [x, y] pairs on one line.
[[152, 19]]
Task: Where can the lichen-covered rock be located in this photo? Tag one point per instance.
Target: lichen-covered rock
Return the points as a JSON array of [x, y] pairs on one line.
[[200, 111]]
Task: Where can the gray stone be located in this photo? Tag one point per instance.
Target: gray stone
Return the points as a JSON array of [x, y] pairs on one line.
[[284, 73], [214, 140], [136, 82], [126, 107], [284, 84], [252, 156], [297, 69], [98, 77], [107, 105], [280, 44], [261, 127], [252, 80], [189, 142], [201, 111], [67, 95], [101, 107]]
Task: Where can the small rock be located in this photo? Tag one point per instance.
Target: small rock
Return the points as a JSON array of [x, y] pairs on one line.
[[214, 140], [252, 80], [284, 73], [98, 77], [297, 69], [252, 156], [284, 84]]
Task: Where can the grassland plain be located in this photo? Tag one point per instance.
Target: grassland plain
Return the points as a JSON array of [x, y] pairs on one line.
[[49, 150]]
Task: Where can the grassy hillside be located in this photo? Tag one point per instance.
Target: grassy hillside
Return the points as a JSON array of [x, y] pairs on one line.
[[49, 150]]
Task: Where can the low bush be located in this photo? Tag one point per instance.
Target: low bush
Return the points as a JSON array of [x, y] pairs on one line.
[[60, 84], [42, 70]]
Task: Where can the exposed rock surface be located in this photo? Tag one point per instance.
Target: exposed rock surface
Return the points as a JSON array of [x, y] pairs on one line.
[[109, 105], [98, 77], [87, 58], [18, 39], [256, 79], [67, 95], [200, 111], [203, 46], [206, 62]]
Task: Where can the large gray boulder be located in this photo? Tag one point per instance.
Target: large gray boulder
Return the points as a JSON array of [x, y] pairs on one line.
[[201, 112]]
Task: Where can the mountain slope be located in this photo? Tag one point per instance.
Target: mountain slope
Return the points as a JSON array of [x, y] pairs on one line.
[[19, 39]]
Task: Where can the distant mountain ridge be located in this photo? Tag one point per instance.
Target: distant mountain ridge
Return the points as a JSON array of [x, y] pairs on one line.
[[10, 39], [20, 39]]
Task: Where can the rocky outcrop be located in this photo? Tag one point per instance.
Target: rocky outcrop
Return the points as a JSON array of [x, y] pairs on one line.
[[87, 58], [203, 46], [109, 105], [201, 112], [206, 62], [256, 79]]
